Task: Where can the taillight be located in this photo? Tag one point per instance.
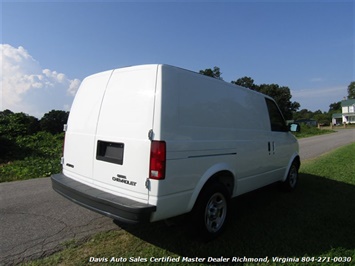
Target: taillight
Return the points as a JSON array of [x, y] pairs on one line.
[[157, 160]]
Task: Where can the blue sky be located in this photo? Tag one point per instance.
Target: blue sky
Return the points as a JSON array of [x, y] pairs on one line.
[[48, 48]]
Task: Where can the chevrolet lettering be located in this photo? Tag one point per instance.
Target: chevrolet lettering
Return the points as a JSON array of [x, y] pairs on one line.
[[125, 181]]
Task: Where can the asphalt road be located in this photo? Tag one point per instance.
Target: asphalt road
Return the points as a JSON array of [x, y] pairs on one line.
[[312, 147], [35, 220]]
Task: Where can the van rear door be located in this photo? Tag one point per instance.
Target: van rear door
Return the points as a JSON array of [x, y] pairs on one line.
[[81, 130], [122, 144]]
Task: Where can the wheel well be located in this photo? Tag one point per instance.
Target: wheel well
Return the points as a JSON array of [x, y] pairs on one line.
[[298, 161], [226, 178]]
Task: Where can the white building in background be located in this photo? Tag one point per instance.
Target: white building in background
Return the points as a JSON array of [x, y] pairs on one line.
[[347, 115]]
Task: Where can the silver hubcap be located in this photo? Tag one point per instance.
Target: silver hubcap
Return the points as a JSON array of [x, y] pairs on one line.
[[215, 213]]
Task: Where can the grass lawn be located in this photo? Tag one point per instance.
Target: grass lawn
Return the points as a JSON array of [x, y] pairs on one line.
[[314, 223]]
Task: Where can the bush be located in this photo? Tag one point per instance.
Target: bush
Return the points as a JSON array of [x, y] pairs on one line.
[[30, 148], [31, 156]]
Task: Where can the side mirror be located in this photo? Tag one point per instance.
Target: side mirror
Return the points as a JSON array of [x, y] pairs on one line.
[[294, 127]]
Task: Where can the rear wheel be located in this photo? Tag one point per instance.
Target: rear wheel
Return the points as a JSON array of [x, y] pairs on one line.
[[210, 211]]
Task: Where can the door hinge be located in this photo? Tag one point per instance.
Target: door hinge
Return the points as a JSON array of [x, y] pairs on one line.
[[147, 184], [151, 134]]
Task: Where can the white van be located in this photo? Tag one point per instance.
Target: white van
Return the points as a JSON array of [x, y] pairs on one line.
[[149, 142]]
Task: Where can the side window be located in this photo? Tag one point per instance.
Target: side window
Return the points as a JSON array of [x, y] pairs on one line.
[[276, 119]]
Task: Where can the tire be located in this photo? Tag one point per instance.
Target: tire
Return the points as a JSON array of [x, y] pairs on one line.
[[292, 178], [211, 210]]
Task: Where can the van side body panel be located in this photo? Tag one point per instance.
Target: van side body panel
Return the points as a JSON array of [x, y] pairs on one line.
[[209, 126]]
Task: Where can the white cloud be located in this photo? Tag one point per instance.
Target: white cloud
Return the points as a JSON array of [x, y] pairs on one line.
[[28, 88], [316, 79], [319, 98]]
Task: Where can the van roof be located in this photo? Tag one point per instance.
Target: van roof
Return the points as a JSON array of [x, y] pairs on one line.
[[184, 69]]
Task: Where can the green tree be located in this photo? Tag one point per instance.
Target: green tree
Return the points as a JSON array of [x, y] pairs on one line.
[[53, 121], [335, 107], [322, 118], [214, 73], [303, 114], [246, 82], [12, 127], [17, 124], [351, 90]]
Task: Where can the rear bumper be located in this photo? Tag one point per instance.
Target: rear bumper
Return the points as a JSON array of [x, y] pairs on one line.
[[113, 206]]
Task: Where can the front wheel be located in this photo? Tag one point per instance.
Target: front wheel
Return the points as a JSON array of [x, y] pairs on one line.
[[210, 211], [292, 178]]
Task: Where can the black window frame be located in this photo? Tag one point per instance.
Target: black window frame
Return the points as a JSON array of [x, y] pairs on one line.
[[277, 121]]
